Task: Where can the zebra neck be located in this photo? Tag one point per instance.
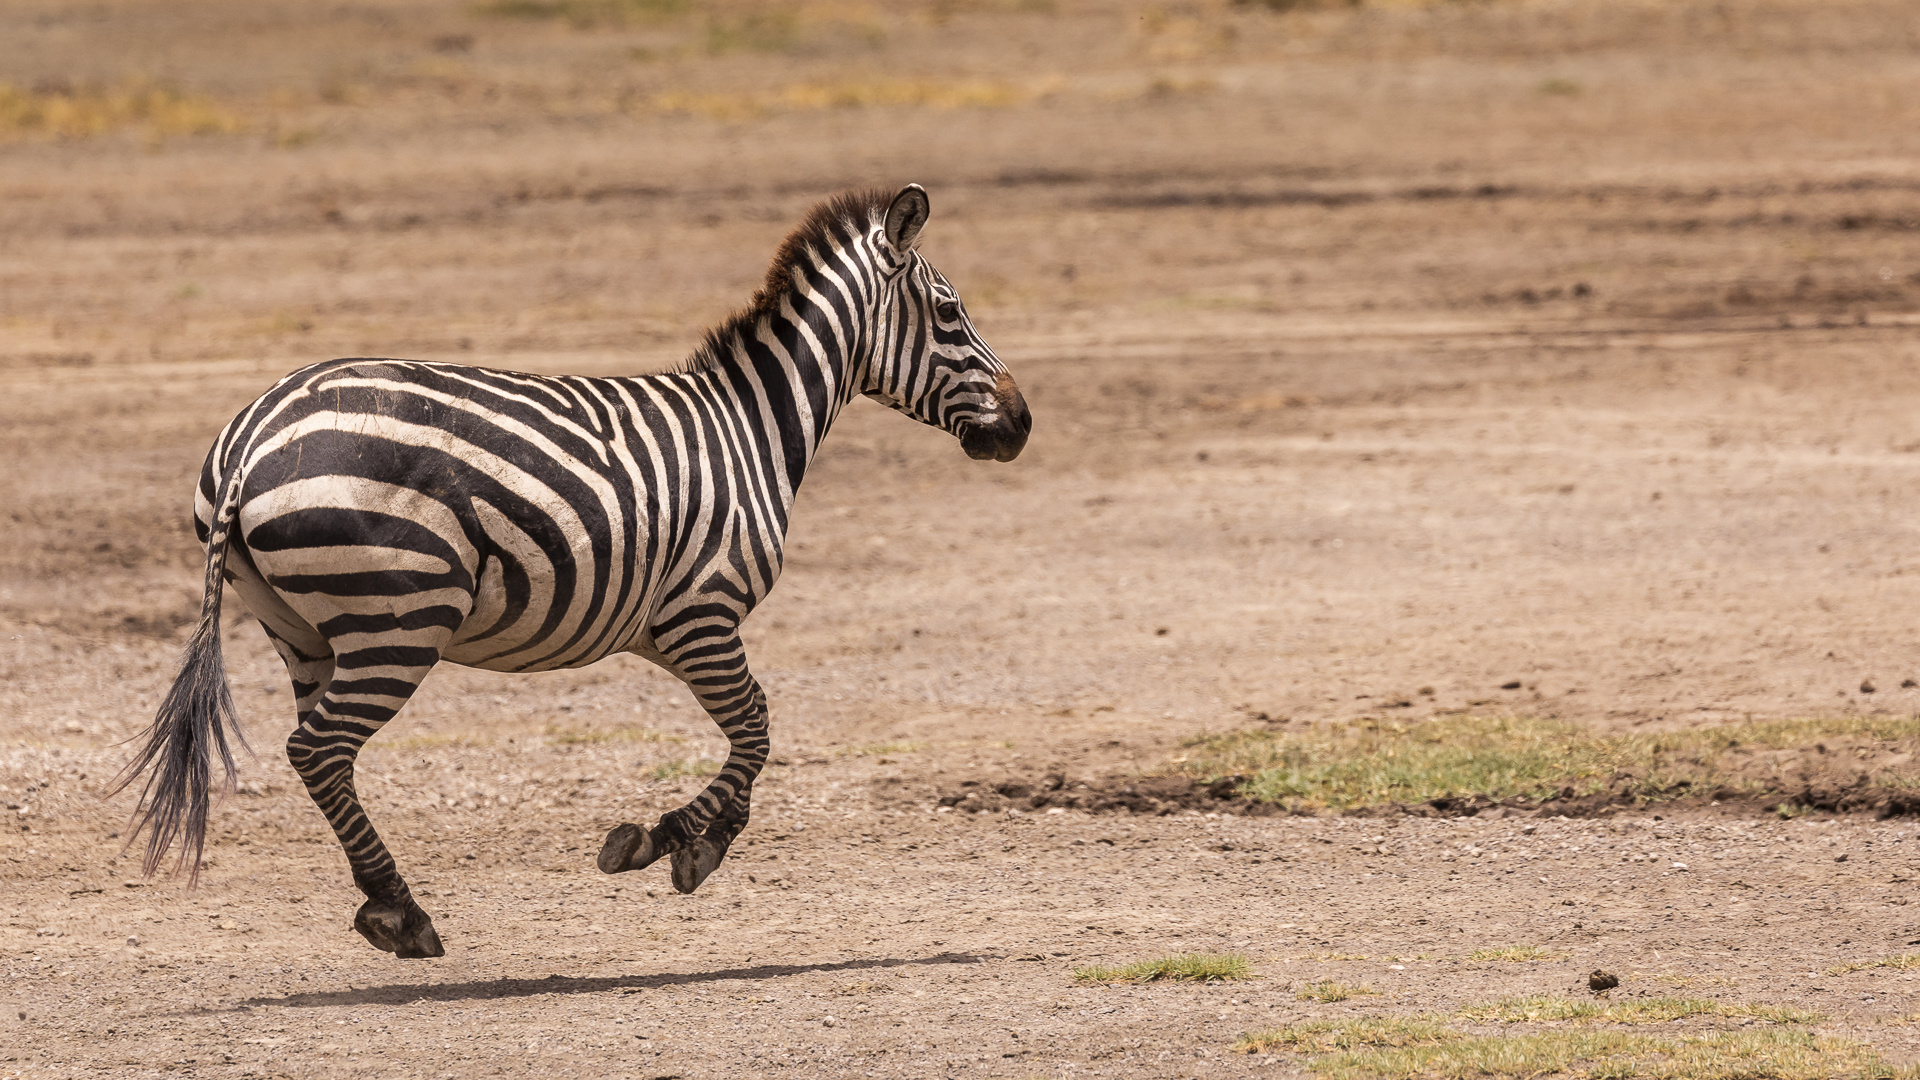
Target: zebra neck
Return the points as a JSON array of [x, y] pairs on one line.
[[793, 367]]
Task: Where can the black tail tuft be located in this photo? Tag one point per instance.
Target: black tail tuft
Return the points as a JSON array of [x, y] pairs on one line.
[[192, 723]]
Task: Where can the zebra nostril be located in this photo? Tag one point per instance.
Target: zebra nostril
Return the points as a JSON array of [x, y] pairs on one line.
[[1013, 405], [1017, 414]]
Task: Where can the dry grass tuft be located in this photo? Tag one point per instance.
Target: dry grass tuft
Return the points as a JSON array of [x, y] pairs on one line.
[[1186, 967], [674, 770], [1548, 1008], [1323, 1036], [584, 13], [880, 749], [73, 113], [559, 736], [1403, 1048], [846, 94], [1904, 962], [1516, 954], [1330, 990], [377, 747], [1776, 1054]]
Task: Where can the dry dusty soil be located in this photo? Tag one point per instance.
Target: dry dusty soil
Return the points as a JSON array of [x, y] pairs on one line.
[[1566, 346]]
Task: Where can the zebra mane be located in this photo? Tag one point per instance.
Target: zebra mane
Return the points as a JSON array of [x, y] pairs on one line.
[[852, 211]]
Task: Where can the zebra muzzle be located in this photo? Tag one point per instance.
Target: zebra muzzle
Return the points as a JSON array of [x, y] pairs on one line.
[[1004, 437]]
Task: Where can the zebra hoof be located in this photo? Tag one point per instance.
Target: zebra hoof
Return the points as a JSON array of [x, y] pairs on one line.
[[424, 946], [692, 864], [405, 932], [628, 847]]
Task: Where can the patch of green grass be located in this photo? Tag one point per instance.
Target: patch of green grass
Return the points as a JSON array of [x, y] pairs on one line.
[[1331, 990], [1370, 762], [1547, 1008], [1322, 1036], [1516, 954], [1904, 962], [1774, 1054], [674, 770], [1186, 967]]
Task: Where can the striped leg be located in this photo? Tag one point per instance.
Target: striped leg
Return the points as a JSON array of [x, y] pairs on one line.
[[305, 650], [698, 834], [367, 688]]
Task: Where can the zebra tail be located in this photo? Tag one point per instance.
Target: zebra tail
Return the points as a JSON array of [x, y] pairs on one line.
[[192, 722]]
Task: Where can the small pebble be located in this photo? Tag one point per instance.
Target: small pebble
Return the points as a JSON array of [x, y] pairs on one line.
[[830, 1022]]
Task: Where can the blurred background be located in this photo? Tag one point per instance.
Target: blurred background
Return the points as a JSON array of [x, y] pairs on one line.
[[1389, 358], [1437, 402]]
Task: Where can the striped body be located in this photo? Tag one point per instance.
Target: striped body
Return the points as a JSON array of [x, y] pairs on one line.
[[381, 516], [545, 522]]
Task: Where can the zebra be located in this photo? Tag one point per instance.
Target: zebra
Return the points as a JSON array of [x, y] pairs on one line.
[[381, 516]]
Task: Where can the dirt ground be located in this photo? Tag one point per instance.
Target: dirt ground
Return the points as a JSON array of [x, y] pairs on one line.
[[1372, 350]]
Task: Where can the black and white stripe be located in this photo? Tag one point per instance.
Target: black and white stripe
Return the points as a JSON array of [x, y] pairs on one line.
[[382, 516]]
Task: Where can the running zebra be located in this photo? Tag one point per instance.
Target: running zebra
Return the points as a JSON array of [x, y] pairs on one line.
[[381, 516]]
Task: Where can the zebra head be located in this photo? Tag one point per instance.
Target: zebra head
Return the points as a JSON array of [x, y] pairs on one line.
[[929, 361]]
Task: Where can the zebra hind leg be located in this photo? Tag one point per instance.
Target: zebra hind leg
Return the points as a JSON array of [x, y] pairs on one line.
[[366, 689], [309, 661], [698, 834]]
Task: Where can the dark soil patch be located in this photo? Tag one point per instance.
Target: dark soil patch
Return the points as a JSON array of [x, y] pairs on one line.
[[1153, 795]]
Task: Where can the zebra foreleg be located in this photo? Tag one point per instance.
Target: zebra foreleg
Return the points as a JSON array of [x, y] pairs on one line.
[[698, 834], [742, 716], [363, 694]]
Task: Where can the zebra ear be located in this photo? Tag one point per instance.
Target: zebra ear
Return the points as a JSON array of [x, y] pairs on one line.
[[906, 217]]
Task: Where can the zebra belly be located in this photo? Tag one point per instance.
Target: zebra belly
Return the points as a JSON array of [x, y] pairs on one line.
[[473, 646]]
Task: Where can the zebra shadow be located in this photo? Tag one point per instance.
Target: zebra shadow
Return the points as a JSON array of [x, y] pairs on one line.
[[495, 989]]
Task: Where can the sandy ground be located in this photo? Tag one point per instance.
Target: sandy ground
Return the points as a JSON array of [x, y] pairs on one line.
[[1370, 350]]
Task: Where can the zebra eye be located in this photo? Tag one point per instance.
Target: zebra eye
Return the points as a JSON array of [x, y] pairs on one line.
[[948, 309]]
